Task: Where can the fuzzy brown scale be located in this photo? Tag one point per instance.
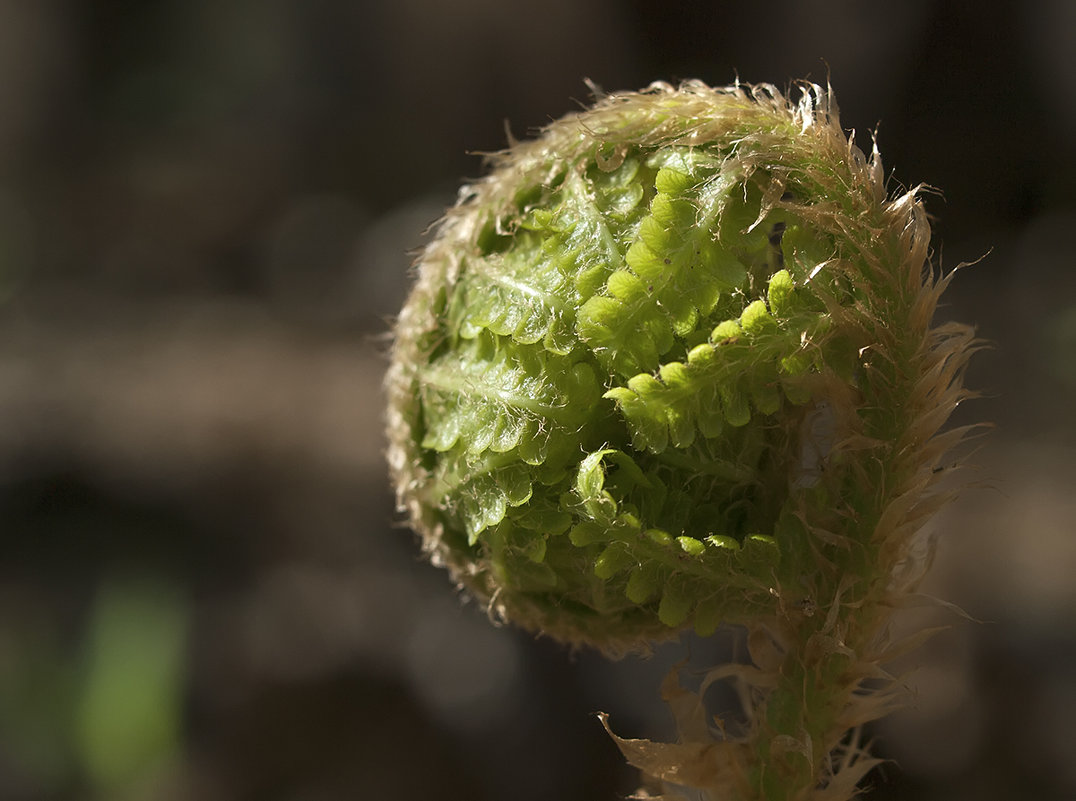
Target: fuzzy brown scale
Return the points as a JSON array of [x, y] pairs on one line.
[[671, 365]]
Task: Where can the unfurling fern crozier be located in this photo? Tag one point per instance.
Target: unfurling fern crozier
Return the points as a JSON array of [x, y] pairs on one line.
[[672, 364]]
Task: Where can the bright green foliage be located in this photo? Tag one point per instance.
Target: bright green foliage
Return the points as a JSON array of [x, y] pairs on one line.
[[605, 381], [670, 276], [671, 365], [639, 278]]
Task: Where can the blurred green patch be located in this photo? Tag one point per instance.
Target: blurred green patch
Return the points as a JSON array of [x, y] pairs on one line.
[[96, 715], [130, 710]]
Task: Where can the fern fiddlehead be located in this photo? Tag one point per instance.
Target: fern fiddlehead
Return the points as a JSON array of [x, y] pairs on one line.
[[672, 365]]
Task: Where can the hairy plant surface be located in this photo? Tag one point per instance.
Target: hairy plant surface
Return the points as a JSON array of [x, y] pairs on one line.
[[672, 364]]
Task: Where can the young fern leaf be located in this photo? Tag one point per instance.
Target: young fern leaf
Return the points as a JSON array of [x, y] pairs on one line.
[[670, 365], [739, 372], [673, 275]]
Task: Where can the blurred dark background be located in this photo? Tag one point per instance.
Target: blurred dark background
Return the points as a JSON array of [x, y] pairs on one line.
[[205, 213]]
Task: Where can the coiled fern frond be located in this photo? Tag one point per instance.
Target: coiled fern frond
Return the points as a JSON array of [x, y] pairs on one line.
[[673, 364]]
